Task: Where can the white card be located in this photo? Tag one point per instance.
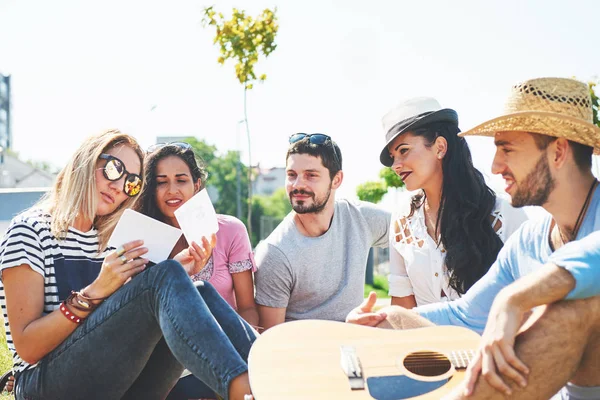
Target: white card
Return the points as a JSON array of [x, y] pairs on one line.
[[158, 237], [197, 218]]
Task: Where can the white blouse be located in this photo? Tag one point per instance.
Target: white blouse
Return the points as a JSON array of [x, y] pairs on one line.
[[417, 263]]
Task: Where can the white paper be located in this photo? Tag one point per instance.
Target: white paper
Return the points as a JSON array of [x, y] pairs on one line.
[[197, 218], [158, 237]]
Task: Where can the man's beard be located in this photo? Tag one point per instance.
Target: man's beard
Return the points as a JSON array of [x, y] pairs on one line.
[[536, 187], [300, 207]]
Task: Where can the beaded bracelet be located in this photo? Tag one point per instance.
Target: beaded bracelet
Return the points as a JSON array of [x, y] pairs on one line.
[[68, 314]]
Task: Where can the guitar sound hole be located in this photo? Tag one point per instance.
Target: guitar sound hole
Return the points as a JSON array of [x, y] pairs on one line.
[[427, 363]]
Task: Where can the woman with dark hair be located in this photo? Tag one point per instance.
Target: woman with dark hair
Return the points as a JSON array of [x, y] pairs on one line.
[[444, 237], [87, 321], [173, 175]]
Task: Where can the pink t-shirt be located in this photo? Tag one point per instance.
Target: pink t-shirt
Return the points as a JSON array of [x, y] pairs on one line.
[[232, 254]]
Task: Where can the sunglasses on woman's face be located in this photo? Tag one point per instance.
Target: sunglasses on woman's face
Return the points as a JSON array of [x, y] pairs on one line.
[[157, 146], [317, 139], [115, 169]]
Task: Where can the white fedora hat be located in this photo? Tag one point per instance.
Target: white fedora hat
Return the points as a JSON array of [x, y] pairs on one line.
[[409, 115]]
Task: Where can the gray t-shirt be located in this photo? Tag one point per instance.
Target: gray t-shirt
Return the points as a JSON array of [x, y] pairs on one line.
[[320, 277]]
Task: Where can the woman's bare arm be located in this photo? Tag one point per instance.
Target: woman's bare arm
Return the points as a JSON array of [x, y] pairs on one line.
[[243, 285], [33, 335], [406, 301]]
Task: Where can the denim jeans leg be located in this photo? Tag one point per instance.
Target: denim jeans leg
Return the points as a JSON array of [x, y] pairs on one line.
[[161, 367], [239, 332], [105, 355], [199, 343], [191, 387]]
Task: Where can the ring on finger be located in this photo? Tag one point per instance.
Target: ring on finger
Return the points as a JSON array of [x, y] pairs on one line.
[[123, 259], [120, 251]]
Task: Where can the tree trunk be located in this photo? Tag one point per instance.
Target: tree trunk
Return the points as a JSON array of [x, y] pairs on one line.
[[249, 222]]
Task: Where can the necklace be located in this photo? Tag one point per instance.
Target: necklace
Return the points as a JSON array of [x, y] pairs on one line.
[[432, 223], [582, 212]]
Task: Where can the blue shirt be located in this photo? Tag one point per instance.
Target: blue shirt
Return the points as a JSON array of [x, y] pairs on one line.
[[524, 252]]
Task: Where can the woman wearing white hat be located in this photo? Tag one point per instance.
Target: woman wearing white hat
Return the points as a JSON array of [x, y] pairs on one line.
[[444, 237]]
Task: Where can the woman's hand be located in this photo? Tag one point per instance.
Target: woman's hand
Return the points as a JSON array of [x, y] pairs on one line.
[[117, 268], [194, 258]]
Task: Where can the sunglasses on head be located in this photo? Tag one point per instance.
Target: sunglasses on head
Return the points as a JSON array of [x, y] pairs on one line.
[[316, 139], [115, 169], [157, 146]]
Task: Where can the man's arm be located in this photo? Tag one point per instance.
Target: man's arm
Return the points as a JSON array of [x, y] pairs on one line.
[[572, 272], [378, 221], [271, 316], [471, 311], [273, 280], [547, 285]]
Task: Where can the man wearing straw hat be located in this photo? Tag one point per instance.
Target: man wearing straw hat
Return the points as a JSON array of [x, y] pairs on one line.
[[544, 152]]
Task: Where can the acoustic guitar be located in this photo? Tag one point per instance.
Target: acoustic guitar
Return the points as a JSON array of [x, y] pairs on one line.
[[325, 360]]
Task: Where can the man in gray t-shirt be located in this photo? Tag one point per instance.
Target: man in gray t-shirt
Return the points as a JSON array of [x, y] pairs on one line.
[[313, 265]]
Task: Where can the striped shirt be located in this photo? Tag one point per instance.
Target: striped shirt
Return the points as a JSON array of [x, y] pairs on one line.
[[68, 264]]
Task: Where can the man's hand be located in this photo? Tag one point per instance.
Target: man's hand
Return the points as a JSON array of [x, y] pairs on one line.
[[364, 315], [496, 353]]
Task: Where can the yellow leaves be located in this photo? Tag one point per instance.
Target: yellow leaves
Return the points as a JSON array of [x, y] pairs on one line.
[[243, 39]]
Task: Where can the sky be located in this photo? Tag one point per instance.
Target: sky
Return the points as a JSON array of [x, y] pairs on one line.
[[150, 69]]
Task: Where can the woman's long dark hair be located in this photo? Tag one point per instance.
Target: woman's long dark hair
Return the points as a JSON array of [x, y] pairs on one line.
[[146, 204], [464, 221]]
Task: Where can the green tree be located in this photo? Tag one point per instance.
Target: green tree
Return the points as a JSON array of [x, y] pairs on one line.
[[595, 102], [391, 179], [595, 109], [274, 208], [224, 177], [202, 149], [244, 39], [371, 191], [374, 191]]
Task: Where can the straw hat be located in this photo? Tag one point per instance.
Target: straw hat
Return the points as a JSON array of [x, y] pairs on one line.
[[410, 115], [549, 106]]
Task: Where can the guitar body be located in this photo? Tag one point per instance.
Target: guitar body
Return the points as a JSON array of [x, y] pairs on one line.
[[301, 360]]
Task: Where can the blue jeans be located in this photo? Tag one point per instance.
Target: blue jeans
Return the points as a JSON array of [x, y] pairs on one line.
[[137, 342], [191, 387]]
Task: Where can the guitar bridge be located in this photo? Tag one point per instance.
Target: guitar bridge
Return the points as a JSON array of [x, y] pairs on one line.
[[352, 367]]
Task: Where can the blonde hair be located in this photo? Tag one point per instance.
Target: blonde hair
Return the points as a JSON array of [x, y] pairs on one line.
[[74, 192]]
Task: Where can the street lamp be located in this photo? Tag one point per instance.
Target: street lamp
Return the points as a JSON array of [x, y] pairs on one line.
[[238, 169]]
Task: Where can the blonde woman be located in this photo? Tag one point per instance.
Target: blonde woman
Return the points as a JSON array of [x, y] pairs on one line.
[[75, 329]]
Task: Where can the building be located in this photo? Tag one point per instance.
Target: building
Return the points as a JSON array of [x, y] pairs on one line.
[[171, 139], [16, 200], [267, 181], [15, 173], [5, 118]]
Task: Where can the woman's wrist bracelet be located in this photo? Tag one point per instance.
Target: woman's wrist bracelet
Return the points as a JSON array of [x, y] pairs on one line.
[[81, 302], [69, 314]]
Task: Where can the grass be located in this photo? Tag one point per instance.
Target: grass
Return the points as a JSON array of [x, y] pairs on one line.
[[5, 363], [380, 286]]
